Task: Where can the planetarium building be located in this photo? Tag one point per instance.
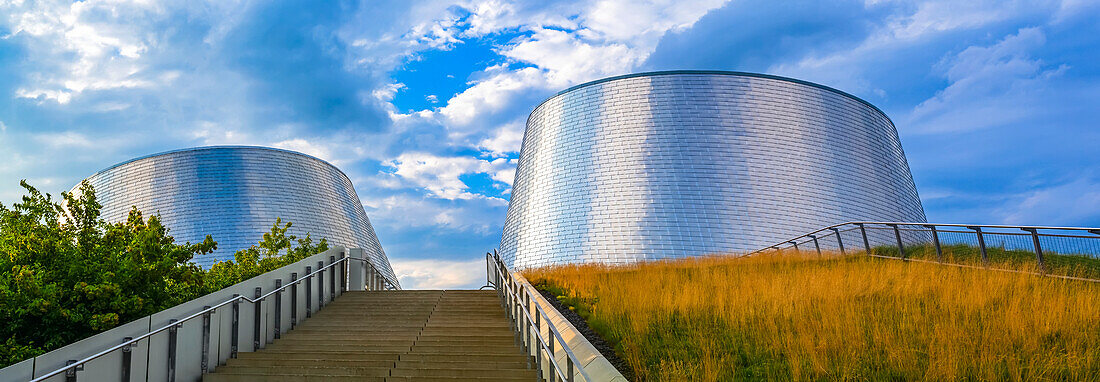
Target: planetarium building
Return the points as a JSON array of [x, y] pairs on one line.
[[235, 193], [673, 164]]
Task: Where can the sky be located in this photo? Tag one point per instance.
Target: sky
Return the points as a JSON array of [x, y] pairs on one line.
[[423, 103]]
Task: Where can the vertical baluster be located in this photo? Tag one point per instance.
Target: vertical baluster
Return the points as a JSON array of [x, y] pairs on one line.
[[838, 240], [309, 296], [205, 362], [293, 300], [320, 285], [981, 245], [332, 278], [278, 308], [866, 243], [235, 337], [256, 328], [936, 240], [127, 355], [1038, 249], [816, 246], [897, 234], [172, 333]]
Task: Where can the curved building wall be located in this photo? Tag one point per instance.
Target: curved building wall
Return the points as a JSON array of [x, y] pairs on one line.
[[673, 164], [235, 194]]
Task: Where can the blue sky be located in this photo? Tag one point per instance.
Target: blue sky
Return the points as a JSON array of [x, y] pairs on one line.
[[422, 103]]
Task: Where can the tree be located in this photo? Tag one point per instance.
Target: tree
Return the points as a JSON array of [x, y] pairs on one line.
[[66, 274], [274, 251]]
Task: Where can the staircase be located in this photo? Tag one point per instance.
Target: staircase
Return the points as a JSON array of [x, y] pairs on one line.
[[388, 336]]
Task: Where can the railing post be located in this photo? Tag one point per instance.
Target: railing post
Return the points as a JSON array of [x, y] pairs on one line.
[[127, 356], [332, 278], [205, 362], [838, 240], [981, 245], [172, 333], [235, 337], [1038, 249], [866, 243], [320, 285], [897, 235], [936, 240], [309, 296], [256, 329], [538, 349], [527, 324], [293, 300], [70, 373], [553, 355], [344, 272], [278, 307], [569, 368], [795, 243], [816, 246]]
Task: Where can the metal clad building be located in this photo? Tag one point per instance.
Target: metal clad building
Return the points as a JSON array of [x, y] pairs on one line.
[[674, 164], [234, 193]]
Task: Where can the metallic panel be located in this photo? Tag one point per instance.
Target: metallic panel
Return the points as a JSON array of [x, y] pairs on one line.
[[674, 164], [235, 193]]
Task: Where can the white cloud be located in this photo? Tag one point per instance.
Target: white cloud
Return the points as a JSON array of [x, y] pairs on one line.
[[492, 94], [1074, 203], [507, 139], [440, 175], [403, 211], [566, 43], [99, 45], [989, 86], [440, 274]]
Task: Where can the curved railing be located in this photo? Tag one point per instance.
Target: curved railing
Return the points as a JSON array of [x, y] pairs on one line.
[[1050, 249], [517, 303], [262, 331]]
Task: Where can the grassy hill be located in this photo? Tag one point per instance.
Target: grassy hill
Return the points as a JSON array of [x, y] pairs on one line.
[[783, 317]]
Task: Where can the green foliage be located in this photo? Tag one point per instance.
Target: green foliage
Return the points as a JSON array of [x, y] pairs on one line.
[[66, 274], [274, 251]]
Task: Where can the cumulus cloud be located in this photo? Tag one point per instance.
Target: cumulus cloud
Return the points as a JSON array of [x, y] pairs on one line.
[[440, 274], [507, 139], [989, 86], [440, 176], [1076, 202]]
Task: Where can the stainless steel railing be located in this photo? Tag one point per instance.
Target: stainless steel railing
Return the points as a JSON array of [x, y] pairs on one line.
[[374, 281], [1052, 249], [515, 298]]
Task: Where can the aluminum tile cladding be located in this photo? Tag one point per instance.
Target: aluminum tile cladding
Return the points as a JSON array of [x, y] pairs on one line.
[[235, 193], [675, 164]]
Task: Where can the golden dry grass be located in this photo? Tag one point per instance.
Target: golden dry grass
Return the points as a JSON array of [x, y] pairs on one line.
[[786, 317]]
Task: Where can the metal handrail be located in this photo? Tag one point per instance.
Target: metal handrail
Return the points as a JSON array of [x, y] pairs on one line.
[[857, 223], [212, 309], [510, 292]]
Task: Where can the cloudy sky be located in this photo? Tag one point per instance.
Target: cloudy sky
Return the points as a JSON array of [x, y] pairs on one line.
[[423, 103]]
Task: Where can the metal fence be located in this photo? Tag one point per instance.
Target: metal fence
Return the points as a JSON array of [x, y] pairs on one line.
[[1066, 252], [553, 359]]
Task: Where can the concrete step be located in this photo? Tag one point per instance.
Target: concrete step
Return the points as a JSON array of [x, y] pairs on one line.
[[257, 362], [515, 358], [463, 372], [320, 370], [392, 336]]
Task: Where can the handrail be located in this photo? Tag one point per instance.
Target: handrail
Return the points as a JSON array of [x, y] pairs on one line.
[[927, 225], [237, 298], [510, 293]]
